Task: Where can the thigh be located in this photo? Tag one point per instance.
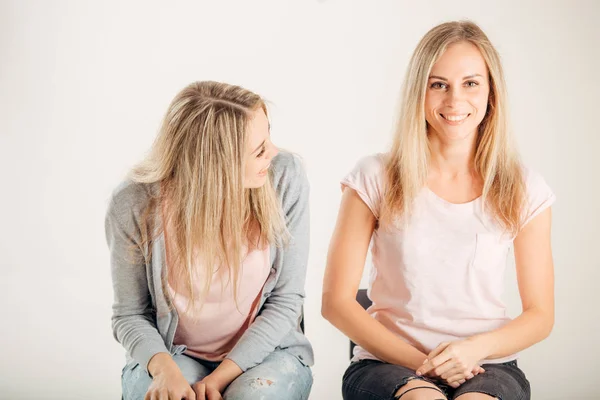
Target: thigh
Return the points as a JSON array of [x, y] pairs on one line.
[[504, 381], [375, 380], [280, 376], [136, 381]]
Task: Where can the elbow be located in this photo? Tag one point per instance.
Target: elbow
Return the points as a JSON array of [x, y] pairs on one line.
[[548, 321], [328, 307], [325, 307], [333, 306], [545, 322], [549, 325]]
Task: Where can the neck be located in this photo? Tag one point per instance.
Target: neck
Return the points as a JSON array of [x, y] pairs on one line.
[[452, 158]]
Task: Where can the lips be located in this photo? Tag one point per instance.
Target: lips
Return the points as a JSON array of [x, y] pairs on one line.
[[455, 117], [264, 170]]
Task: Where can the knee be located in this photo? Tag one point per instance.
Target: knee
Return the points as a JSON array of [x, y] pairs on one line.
[[267, 389], [285, 380], [417, 389], [263, 388]]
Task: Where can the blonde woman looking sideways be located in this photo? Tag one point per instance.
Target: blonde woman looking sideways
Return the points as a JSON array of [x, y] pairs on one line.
[[208, 240], [441, 210]]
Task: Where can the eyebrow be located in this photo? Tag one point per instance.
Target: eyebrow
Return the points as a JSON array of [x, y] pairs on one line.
[[445, 79]]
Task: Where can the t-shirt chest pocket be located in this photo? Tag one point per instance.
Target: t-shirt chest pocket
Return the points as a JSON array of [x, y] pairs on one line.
[[491, 250]]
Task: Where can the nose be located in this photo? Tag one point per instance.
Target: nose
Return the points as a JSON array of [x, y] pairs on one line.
[[454, 96]]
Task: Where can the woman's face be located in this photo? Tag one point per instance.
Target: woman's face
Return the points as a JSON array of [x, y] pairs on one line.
[[259, 151], [457, 93]]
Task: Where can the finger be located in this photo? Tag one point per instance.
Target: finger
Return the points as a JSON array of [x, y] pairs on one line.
[[462, 374], [460, 377], [441, 347], [455, 372], [478, 370], [434, 353], [461, 382], [189, 394], [163, 394], [457, 383], [200, 389], [434, 362], [214, 394], [444, 368]]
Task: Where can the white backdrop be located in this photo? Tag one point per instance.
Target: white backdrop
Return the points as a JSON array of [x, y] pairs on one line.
[[84, 85]]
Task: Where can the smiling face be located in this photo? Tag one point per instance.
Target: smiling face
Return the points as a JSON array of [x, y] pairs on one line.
[[457, 93], [259, 151]]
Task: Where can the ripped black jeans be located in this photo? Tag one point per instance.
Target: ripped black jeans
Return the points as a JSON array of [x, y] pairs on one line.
[[376, 380]]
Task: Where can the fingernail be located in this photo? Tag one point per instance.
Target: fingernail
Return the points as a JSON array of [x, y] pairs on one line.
[[419, 373]]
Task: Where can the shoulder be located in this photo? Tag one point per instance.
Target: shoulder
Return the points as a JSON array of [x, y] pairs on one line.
[[129, 200], [367, 179], [535, 183], [288, 171], [373, 164], [369, 171], [538, 194], [531, 177]]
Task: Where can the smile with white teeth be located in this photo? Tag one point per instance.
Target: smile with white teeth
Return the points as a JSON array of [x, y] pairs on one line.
[[455, 118]]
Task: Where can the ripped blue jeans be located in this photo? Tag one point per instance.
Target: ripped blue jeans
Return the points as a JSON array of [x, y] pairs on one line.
[[280, 376]]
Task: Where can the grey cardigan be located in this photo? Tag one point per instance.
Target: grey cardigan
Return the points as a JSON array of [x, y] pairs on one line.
[[142, 320]]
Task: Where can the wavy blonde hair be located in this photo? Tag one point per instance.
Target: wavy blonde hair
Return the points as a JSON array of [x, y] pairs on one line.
[[496, 159], [198, 160]]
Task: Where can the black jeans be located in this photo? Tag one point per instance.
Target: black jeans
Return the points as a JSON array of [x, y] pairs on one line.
[[376, 380]]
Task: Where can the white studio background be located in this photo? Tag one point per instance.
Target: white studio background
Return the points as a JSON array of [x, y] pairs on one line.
[[84, 85]]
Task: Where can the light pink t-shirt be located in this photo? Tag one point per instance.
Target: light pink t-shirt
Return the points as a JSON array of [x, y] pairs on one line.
[[214, 327], [441, 277]]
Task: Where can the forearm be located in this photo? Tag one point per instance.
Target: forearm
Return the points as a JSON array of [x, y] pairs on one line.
[[160, 363], [530, 327], [224, 374], [350, 318], [278, 316]]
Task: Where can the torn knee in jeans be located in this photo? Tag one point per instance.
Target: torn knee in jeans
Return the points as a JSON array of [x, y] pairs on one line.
[[417, 381], [260, 383]]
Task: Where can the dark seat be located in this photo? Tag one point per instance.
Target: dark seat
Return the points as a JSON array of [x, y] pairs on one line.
[[363, 300]]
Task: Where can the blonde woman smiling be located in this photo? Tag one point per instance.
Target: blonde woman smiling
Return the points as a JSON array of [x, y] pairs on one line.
[[209, 244], [442, 208]]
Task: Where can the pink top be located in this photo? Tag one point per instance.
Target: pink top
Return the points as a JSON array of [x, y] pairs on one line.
[[441, 278], [214, 326]]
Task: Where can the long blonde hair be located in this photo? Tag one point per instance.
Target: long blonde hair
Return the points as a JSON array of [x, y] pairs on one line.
[[198, 160], [496, 159]]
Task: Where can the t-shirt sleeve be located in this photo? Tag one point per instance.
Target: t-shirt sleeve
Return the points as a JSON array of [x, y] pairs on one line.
[[367, 180], [539, 196]]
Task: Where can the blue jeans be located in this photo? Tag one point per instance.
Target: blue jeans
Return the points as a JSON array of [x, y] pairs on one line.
[[280, 376]]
